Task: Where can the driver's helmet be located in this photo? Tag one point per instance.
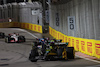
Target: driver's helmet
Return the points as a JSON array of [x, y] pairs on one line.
[[42, 40], [52, 40]]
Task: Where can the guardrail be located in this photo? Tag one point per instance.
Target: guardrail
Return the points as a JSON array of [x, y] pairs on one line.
[[33, 27], [87, 46]]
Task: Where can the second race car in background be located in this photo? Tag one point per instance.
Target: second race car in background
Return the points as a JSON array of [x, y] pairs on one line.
[[14, 37]]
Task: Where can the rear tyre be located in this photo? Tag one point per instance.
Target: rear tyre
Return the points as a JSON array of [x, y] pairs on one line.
[[70, 52], [21, 39], [32, 56], [24, 39], [7, 39], [32, 59]]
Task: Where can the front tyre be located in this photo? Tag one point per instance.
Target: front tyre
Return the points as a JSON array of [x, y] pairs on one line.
[[32, 56], [32, 59], [7, 39], [21, 39]]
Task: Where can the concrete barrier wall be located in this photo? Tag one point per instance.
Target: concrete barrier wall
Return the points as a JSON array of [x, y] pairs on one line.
[[86, 15], [87, 46]]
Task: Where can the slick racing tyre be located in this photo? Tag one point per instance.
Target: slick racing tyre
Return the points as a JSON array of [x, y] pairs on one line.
[[7, 39], [70, 52], [32, 56], [21, 39], [32, 59]]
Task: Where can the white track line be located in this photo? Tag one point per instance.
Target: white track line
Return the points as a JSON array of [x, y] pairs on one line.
[[28, 32], [88, 59]]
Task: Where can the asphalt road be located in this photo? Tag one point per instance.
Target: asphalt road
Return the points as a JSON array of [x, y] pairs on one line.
[[16, 54]]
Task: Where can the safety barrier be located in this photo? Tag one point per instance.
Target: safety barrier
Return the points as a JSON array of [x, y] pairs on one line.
[[9, 24], [33, 27], [87, 46], [6, 24]]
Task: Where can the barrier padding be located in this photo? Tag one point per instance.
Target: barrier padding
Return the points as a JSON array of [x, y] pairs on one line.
[[33, 27], [87, 46]]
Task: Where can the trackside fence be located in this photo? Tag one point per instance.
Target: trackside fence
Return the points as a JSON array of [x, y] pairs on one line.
[[33, 27], [87, 46]]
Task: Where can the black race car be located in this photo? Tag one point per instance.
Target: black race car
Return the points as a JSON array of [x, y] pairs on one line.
[[14, 37], [2, 35], [54, 49]]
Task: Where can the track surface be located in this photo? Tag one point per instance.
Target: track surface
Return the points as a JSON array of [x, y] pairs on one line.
[[16, 54]]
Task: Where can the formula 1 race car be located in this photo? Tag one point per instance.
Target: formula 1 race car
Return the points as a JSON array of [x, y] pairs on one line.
[[2, 35], [53, 50], [59, 51], [14, 37]]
